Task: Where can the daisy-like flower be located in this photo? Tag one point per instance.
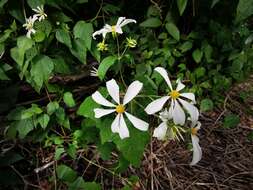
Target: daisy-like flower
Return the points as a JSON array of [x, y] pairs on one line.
[[41, 15], [29, 26], [163, 130], [197, 152], [119, 124], [176, 103], [94, 72], [114, 29]]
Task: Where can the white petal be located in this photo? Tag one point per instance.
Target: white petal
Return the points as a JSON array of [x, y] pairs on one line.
[[127, 21], [28, 34], [137, 123], [120, 20], [180, 85], [164, 74], [189, 96], [102, 112], [132, 91], [178, 114], [156, 105], [197, 152], [191, 109], [97, 97], [113, 90], [160, 131], [118, 30], [115, 124], [123, 130], [102, 31]]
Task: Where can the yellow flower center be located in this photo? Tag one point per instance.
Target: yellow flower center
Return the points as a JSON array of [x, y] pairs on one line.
[[114, 33], [174, 94], [194, 131], [120, 108]]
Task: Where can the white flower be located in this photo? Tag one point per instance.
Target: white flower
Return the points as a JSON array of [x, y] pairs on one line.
[[94, 72], [172, 132], [114, 29], [119, 125], [161, 130], [197, 152], [175, 109], [29, 26], [41, 15]]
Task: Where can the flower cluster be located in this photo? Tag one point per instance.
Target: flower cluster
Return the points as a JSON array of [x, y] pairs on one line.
[[176, 108], [29, 25], [114, 29]]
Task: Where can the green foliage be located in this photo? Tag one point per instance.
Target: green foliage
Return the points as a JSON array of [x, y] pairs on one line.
[[41, 69], [68, 99], [173, 31], [206, 105], [231, 121], [46, 85], [105, 65], [151, 23]]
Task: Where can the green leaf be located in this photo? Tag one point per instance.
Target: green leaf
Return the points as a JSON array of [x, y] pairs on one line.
[[244, 10], [80, 184], [58, 153], [105, 65], [18, 53], [181, 5], [79, 50], [28, 113], [43, 120], [39, 36], [105, 150], [173, 31], [52, 107], [86, 109], [68, 99], [23, 127], [197, 55], [34, 3], [72, 151], [2, 3], [3, 76], [62, 118], [199, 72], [151, 23], [206, 105], [41, 70], [186, 46], [66, 174], [84, 31], [63, 37], [231, 121], [214, 3], [138, 140]]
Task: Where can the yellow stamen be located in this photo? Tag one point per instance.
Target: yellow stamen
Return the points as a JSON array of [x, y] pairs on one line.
[[120, 108], [194, 131], [174, 94]]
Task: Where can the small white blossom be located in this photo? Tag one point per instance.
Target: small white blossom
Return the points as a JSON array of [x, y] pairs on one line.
[[119, 124], [114, 29], [175, 109], [29, 26], [197, 151], [41, 15], [172, 132], [94, 72]]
